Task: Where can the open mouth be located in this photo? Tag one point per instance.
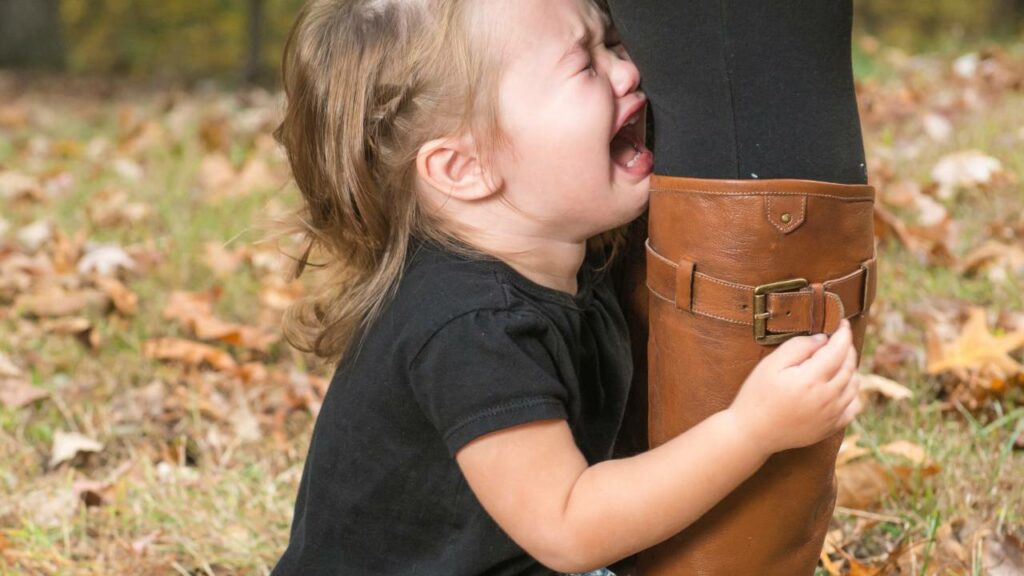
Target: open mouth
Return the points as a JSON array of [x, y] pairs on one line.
[[627, 147]]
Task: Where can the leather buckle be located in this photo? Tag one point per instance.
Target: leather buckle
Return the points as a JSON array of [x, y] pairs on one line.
[[761, 314]]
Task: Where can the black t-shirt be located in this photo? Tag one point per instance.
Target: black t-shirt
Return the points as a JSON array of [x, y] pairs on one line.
[[466, 347]]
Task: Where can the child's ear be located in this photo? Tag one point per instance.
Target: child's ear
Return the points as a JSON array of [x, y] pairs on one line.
[[452, 166]]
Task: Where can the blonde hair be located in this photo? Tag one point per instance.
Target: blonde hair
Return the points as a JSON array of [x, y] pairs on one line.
[[367, 83]]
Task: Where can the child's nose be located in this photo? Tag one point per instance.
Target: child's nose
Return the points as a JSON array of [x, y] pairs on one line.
[[625, 76]]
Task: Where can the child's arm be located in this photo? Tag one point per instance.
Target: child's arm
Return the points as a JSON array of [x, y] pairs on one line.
[[533, 480]]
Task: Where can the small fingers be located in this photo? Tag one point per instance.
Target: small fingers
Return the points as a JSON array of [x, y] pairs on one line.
[[850, 390], [850, 412], [838, 385], [828, 359]]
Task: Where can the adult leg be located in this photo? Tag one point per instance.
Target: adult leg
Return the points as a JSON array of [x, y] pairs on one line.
[[748, 89], [753, 109]]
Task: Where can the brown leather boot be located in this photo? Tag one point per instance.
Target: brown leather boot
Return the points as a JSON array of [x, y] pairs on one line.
[[734, 267]]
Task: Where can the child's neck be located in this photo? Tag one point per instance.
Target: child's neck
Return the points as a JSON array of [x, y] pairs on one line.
[[550, 263]]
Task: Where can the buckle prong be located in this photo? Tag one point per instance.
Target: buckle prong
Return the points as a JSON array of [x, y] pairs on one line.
[[761, 313]]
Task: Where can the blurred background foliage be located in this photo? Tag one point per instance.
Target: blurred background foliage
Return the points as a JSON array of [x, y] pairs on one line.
[[242, 40], [924, 25]]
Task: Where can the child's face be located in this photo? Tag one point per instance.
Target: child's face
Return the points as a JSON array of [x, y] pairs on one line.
[[562, 106]]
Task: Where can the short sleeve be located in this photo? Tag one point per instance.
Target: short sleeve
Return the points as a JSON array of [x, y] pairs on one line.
[[487, 370]]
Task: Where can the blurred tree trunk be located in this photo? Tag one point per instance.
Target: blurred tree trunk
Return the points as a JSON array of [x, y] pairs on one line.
[[253, 69], [1008, 17], [30, 34]]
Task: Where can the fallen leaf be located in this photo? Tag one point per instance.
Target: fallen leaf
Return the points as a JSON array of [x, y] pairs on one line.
[[873, 383], [194, 311], [913, 452], [220, 260], [128, 169], [991, 253], [964, 169], [112, 207], [17, 393], [140, 545], [279, 295], [976, 348], [90, 492], [903, 193], [849, 450], [105, 260], [215, 172], [1003, 556], [937, 127], [66, 445], [193, 353], [35, 235], [16, 186], [126, 301], [53, 301], [8, 368], [76, 326], [890, 358], [861, 484]]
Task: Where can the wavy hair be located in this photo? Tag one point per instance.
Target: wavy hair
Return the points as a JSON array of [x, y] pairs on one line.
[[367, 83]]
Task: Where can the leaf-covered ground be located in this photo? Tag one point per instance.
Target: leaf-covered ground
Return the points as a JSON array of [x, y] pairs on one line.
[[153, 421]]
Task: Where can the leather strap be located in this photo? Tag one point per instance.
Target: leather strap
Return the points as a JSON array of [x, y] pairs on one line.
[[816, 308]]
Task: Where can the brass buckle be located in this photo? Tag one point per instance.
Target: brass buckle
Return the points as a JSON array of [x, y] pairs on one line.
[[761, 314]]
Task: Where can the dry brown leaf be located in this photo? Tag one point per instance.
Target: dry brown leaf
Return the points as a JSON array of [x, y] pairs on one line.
[[105, 260], [213, 328], [76, 326], [849, 450], [193, 353], [90, 492], [8, 368], [1003, 556], [255, 174], [16, 392], [964, 169], [15, 186], [52, 301], [112, 207], [279, 295], [142, 137], [66, 445], [214, 132], [888, 225], [860, 569], [891, 357], [140, 545], [913, 452], [126, 301], [194, 311], [861, 483], [873, 384], [182, 306], [220, 260], [215, 172], [903, 193], [35, 235], [975, 349], [993, 253], [13, 116]]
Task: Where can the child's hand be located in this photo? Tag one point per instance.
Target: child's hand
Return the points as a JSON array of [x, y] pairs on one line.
[[801, 393]]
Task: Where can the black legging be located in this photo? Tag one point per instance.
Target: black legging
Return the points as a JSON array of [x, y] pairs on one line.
[[744, 89]]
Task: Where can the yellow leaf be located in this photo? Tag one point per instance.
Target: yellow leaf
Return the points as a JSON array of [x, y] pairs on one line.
[[976, 348]]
